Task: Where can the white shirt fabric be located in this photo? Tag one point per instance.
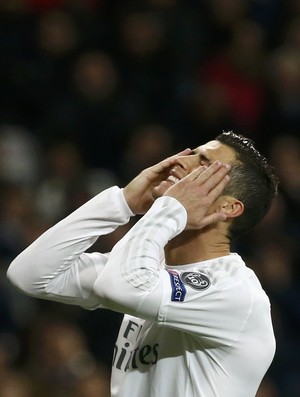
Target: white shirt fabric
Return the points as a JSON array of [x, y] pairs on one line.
[[196, 330]]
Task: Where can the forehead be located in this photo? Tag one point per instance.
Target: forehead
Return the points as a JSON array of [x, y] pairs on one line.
[[216, 150]]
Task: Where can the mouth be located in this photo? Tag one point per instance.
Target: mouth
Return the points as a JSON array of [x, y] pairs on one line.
[[173, 179], [164, 185]]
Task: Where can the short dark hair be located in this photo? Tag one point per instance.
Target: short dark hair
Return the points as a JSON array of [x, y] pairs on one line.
[[252, 181]]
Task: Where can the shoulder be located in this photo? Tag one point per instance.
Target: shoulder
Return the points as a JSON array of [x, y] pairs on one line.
[[225, 282]]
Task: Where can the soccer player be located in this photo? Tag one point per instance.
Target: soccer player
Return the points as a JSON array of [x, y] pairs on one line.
[[197, 322]]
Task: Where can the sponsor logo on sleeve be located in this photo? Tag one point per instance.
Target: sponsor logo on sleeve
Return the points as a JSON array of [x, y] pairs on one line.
[[178, 289], [195, 280]]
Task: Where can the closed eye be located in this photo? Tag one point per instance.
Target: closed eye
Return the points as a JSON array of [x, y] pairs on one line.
[[203, 158]]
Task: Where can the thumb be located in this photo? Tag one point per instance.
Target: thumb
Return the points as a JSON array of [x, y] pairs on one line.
[[213, 218]]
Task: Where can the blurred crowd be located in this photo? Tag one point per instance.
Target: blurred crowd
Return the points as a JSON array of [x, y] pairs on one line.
[[92, 92]]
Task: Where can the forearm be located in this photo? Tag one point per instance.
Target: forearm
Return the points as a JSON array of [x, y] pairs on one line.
[[55, 264], [130, 279]]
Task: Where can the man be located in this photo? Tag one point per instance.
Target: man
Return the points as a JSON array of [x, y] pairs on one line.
[[197, 322]]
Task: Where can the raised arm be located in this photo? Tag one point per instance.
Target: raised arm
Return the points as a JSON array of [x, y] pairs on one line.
[[55, 266], [132, 281]]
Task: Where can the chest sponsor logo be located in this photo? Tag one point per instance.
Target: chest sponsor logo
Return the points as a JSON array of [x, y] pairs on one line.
[[178, 289], [129, 354], [195, 280]]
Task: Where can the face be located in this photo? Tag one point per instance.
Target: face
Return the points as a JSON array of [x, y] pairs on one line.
[[202, 155]]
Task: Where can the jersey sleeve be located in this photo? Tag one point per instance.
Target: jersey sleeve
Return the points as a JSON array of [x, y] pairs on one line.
[[133, 279], [56, 267]]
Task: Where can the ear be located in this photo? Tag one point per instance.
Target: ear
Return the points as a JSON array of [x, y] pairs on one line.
[[230, 206]]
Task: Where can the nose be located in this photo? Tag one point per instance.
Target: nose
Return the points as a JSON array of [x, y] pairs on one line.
[[189, 163]]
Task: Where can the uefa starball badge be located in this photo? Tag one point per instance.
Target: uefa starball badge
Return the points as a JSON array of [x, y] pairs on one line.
[[195, 280]]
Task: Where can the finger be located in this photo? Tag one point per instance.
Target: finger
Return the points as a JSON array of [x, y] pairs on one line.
[[213, 219], [206, 173], [169, 161], [184, 152], [218, 189], [213, 175], [212, 169], [195, 173]]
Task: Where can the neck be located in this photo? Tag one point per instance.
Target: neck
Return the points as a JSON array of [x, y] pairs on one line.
[[196, 246]]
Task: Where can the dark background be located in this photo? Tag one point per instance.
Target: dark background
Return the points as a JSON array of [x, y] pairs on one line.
[[94, 91]]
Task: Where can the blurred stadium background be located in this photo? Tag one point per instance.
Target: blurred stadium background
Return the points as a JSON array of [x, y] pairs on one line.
[[93, 91]]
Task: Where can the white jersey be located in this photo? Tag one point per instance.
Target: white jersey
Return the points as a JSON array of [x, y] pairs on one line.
[[197, 330]]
